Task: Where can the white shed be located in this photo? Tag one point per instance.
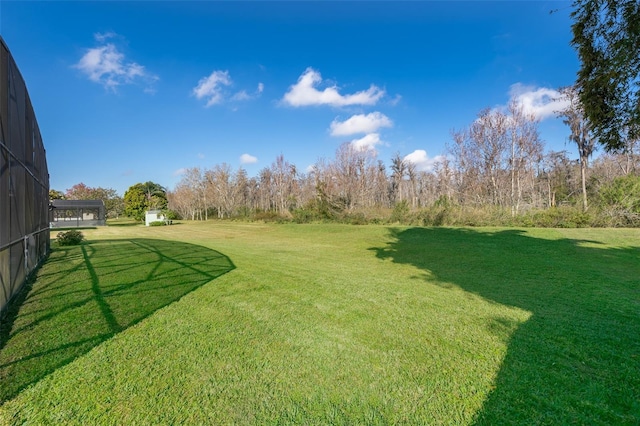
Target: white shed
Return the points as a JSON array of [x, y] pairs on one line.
[[153, 216]]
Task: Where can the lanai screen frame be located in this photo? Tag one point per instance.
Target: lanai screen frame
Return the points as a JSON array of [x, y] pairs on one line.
[[71, 213], [24, 184]]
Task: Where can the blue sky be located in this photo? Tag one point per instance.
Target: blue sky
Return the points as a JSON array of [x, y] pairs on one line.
[[132, 91]]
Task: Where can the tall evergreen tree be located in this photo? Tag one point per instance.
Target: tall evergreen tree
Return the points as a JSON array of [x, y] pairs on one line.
[[606, 34], [144, 196]]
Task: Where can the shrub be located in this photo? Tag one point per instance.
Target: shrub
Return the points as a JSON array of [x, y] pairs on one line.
[[303, 215], [435, 215], [269, 216], [560, 217], [242, 212], [157, 223], [400, 212], [170, 214], [357, 218], [69, 238], [620, 200]]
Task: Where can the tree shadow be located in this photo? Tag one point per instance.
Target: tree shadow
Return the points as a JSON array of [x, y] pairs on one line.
[[577, 359], [84, 295]]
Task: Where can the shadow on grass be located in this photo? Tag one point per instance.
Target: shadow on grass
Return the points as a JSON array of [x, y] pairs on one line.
[[577, 359], [84, 295]]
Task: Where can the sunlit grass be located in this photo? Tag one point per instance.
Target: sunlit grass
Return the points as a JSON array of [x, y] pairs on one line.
[[86, 294], [329, 324]]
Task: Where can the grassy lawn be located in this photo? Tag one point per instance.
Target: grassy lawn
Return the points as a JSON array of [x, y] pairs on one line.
[[231, 323]]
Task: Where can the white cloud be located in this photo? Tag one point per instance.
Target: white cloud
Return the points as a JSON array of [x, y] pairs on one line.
[[304, 93], [101, 37], [210, 88], [107, 66], [200, 155], [244, 96], [396, 100], [367, 143], [542, 102], [248, 159], [241, 96], [360, 123], [180, 172], [422, 161]]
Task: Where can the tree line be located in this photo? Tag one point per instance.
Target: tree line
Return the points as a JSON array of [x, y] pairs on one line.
[[495, 171], [497, 164]]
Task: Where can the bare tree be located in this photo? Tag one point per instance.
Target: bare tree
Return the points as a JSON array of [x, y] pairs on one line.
[[495, 160], [489, 136], [240, 191], [444, 175], [573, 116], [412, 183], [629, 159], [481, 159], [283, 181], [220, 189], [380, 184], [465, 172], [194, 179], [349, 170], [398, 172], [526, 154], [265, 198], [426, 188], [180, 201]]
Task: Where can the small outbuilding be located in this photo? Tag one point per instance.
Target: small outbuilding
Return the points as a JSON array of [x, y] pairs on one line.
[[76, 213], [154, 216]]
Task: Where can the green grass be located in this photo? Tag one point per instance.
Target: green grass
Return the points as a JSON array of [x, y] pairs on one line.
[[237, 323]]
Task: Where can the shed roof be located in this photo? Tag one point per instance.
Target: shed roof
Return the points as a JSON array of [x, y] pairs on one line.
[[74, 204]]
